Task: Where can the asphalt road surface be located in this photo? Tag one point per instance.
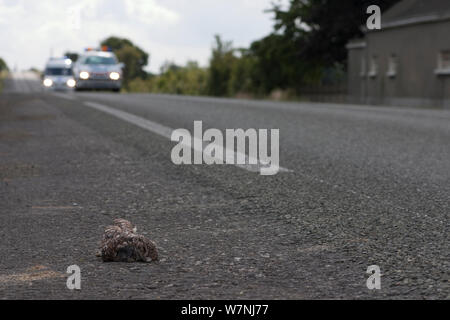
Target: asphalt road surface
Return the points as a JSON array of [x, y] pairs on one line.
[[364, 186]]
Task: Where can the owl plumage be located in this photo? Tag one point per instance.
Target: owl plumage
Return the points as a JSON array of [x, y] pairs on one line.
[[125, 225], [121, 243]]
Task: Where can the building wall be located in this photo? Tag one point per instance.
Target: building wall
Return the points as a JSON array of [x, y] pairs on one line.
[[417, 48], [356, 84]]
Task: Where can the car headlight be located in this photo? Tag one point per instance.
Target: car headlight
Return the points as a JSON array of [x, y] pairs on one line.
[[48, 82], [114, 75], [71, 83], [84, 75]]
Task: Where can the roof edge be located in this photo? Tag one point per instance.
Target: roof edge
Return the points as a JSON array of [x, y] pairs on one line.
[[411, 21], [416, 20]]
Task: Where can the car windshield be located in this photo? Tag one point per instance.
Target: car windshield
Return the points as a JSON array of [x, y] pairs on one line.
[[99, 60], [58, 71]]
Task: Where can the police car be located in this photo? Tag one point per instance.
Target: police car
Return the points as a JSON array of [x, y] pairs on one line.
[[98, 69], [58, 74]]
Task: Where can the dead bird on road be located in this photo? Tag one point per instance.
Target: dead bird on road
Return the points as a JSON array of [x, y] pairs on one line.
[[121, 243]]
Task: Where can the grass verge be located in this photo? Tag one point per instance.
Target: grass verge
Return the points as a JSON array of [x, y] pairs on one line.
[[3, 75]]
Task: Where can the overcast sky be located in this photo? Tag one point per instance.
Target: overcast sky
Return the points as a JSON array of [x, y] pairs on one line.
[[176, 30]]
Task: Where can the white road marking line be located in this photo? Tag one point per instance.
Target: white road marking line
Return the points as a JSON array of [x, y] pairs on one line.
[[165, 132], [154, 127]]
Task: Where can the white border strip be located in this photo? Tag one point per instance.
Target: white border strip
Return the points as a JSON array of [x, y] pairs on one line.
[[164, 131]]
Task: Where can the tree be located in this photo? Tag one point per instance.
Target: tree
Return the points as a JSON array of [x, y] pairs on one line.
[[72, 56], [220, 68], [277, 66], [320, 29], [3, 65], [168, 66], [189, 79], [130, 56], [243, 79], [134, 58]]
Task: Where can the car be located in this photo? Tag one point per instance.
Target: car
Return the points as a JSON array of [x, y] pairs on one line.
[[58, 74], [98, 69]]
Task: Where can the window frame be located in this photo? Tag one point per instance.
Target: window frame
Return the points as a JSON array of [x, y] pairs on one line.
[[443, 68], [392, 69], [373, 67]]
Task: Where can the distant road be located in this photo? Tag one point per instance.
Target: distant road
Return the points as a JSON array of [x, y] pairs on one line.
[[364, 186], [23, 82]]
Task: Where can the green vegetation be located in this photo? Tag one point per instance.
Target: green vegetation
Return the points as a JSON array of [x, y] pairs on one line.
[[305, 50], [2, 77], [190, 80], [3, 65], [318, 30], [3, 72], [134, 58], [72, 56]]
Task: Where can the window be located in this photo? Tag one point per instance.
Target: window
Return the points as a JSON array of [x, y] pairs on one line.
[[58, 71], [373, 67], [392, 66], [99, 60], [443, 62]]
